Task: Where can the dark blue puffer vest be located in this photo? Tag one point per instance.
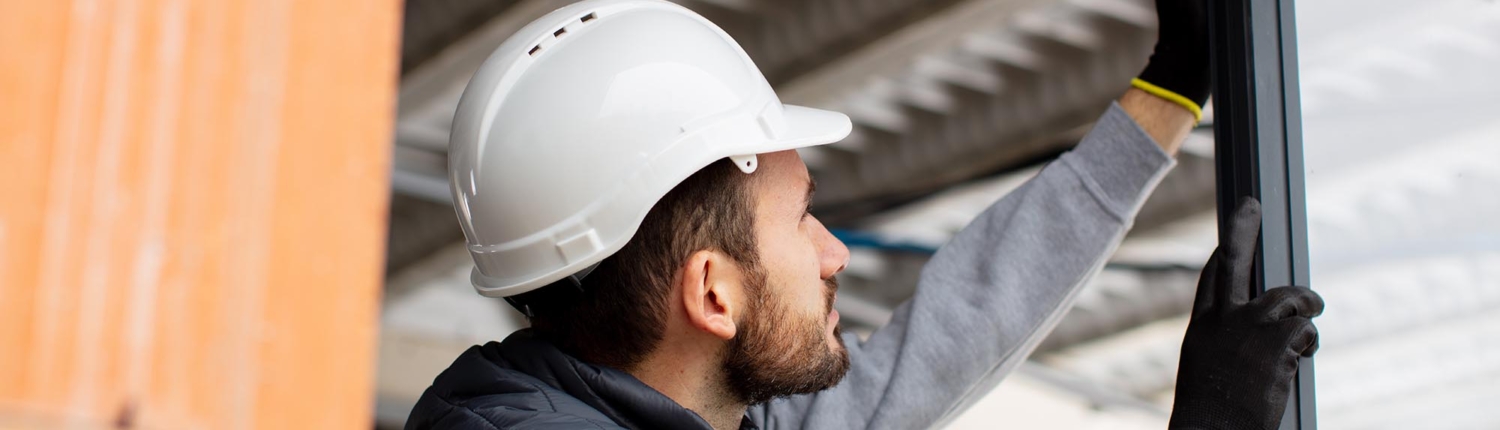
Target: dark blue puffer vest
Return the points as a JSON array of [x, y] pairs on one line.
[[527, 383]]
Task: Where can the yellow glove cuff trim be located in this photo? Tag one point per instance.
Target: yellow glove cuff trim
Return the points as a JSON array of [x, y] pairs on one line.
[[1170, 96]]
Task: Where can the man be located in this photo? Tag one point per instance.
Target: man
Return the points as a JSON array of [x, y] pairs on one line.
[[626, 178]]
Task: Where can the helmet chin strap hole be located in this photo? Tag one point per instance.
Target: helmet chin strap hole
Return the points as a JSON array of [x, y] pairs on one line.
[[746, 163]]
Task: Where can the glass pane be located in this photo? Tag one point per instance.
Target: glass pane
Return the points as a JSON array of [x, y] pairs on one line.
[[1402, 147]]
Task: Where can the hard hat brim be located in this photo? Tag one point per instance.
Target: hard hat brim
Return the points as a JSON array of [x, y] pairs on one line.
[[809, 127]]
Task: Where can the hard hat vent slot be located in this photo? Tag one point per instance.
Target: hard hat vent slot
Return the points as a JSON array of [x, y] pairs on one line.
[[587, 18], [560, 32], [534, 50]]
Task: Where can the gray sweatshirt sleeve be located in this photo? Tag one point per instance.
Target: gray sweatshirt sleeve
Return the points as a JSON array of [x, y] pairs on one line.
[[988, 297]]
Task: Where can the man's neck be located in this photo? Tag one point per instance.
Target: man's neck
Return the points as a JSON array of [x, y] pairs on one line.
[[695, 383]]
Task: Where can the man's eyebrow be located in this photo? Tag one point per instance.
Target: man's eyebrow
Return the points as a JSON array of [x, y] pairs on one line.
[[812, 187]]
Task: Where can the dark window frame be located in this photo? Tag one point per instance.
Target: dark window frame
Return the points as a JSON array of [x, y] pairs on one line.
[[1258, 139]]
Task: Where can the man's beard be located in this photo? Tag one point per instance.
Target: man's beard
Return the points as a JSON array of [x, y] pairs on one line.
[[780, 353]]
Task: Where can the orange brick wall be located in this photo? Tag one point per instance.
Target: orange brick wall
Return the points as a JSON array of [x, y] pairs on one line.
[[192, 211]]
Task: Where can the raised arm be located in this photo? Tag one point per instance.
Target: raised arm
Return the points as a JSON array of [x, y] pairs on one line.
[[989, 296], [986, 298]]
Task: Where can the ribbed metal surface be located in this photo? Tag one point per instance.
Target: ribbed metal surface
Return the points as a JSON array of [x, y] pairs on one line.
[[794, 38], [428, 26], [1001, 97]]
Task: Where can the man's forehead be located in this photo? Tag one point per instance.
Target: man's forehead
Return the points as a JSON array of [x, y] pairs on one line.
[[783, 176], [783, 169], [784, 165]]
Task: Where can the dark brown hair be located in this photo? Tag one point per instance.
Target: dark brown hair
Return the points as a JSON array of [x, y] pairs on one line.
[[620, 314]]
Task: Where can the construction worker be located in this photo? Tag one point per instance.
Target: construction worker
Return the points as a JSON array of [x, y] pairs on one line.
[[627, 178]]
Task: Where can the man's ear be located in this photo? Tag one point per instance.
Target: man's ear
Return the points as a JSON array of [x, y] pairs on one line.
[[711, 293]]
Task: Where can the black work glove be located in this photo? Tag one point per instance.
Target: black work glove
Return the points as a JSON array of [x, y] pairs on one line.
[[1240, 355], [1180, 63]]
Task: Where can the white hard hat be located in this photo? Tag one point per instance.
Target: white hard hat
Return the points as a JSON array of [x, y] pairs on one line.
[[576, 125]]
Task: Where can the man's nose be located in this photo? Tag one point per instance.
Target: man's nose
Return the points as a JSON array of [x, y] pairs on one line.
[[833, 256]]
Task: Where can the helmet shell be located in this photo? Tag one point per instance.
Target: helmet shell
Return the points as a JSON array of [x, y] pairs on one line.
[[573, 128]]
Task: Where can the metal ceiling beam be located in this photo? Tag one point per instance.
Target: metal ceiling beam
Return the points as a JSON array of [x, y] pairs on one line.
[[1013, 85], [429, 26]]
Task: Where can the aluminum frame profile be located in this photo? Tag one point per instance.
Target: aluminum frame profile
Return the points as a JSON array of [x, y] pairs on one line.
[[1258, 135]]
